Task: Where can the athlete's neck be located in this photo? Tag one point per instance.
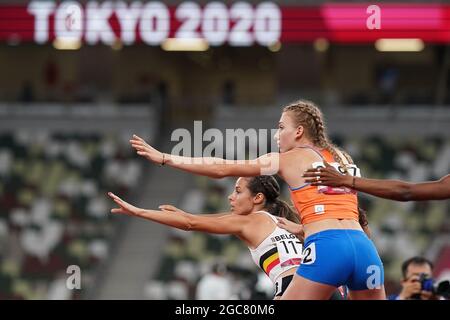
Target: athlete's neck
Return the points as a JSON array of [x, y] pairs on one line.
[[305, 142], [259, 207]]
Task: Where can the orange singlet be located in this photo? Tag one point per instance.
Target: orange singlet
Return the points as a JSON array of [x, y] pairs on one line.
[[313, 205]]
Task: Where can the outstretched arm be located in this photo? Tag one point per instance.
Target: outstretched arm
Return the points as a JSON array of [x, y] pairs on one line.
[[173, 217], [390, 189], [168, 207], [209, 166]]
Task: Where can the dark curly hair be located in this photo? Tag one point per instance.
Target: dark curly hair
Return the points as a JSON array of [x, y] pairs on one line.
[[269, 187]]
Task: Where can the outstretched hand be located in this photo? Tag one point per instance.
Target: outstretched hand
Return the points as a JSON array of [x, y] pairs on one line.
[[124, 207], [146, 150], [291, 227], [327, 176]]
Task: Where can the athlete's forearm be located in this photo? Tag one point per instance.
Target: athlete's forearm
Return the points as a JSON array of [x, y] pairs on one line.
[[177, 220], [389, 189], [212, 167], [211, 223]]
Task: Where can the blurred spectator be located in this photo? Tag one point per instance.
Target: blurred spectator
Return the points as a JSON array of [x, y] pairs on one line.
[[215, 285], [263, 289], [51, 79], [26, 93], [414, 270], [53, 211], [228, 93], [387, 84]]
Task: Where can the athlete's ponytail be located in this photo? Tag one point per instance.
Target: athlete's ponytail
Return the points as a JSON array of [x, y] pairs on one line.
[[363, 221], [269, 187], [281, 209]]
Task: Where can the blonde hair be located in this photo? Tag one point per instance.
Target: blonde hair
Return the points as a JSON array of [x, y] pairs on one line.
[[308, 115]]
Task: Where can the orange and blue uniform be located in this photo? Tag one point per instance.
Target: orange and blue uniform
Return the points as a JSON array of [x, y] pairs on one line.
[[335, 257], [314, 206]]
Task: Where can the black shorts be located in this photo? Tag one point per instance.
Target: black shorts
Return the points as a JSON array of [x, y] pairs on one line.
[[282, 284]]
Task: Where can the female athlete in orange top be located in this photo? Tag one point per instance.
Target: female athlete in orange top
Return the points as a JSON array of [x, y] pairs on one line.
[[337, 252]]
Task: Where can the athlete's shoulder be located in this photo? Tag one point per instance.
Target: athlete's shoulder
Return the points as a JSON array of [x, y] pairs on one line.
[[302, 153], [262, 213]]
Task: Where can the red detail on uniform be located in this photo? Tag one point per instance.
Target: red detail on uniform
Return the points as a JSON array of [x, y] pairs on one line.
[[272, 265], [292, 262], [336, 206]]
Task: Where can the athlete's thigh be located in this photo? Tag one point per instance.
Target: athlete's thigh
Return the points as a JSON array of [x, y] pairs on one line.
[[368, 294], [303, 289]]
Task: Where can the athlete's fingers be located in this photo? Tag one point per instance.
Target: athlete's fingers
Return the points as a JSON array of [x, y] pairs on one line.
[[141, 140], [281, 222], [140, 148], [120, 203], [116, 199], [118, 210], [135, 142], [318, 183], [113, 196], [138, 145], [312, 180], [135, 136], [311, 174]]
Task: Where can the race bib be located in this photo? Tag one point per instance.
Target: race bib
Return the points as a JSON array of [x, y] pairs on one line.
[[352, 170], [289, 252], [309, 254]]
